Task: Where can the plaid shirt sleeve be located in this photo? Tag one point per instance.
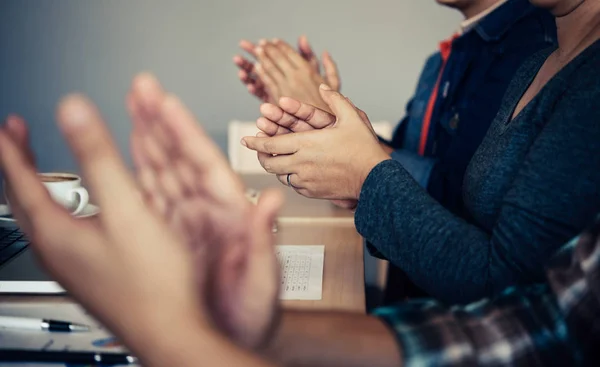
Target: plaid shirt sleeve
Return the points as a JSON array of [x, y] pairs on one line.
[[551, 324]]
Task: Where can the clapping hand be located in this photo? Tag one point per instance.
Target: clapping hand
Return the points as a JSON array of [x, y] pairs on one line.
[[331, 162], [281, 71], [184, 176]]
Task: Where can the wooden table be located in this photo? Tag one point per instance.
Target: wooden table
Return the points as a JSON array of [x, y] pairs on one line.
[[343, 273], [307, 222], [297, 208]]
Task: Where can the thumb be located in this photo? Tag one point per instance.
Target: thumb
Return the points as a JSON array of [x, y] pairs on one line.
[[332, 75], [268, 206], [341, 107]]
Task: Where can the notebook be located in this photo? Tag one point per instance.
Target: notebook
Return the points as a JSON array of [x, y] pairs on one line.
[[301, 272]]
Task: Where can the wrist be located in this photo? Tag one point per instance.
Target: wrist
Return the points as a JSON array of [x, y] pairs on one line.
[[175, 344], [366, 169]]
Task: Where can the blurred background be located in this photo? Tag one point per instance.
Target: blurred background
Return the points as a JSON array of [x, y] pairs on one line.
[[50, 48]]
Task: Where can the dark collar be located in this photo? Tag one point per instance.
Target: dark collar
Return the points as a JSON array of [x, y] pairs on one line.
[[497, 23]]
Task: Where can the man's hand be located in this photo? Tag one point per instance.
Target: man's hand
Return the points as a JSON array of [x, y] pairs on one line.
[[331, 163], [185, 177], [109, 263], [247, 75], [256, 79], [285, 73]]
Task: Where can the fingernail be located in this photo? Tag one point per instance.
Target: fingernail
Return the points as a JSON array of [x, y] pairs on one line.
[[275, 40], [259, 50], [10, 122], [262, 42], [75, 110], [325, 87], [260, 123], [243, 142]]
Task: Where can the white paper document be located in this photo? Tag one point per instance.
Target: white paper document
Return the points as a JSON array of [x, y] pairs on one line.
[[98, 339], [301, 272]]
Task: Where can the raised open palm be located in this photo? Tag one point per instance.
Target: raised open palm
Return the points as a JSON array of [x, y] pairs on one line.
[[186, 178]]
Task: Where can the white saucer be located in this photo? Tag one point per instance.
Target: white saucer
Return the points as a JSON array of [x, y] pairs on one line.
[[89, 211]]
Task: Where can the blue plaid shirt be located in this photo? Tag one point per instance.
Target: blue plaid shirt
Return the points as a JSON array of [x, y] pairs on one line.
[[553, 324]]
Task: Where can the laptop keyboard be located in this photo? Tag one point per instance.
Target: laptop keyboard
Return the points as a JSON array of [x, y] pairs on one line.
[[12, 242]]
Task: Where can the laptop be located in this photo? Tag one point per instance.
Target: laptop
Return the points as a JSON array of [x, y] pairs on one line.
[[19, 269]]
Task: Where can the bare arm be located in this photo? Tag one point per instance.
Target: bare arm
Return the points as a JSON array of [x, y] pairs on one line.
[[191, 347], [333, 339]]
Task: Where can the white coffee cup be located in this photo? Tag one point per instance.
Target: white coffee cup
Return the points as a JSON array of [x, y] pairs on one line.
[[66, 190]]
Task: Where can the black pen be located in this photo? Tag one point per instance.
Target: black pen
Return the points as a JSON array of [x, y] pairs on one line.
[[85, 358], [28, 323]]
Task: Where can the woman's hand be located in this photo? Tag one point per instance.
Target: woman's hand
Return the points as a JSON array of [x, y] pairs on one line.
[[331, 163]]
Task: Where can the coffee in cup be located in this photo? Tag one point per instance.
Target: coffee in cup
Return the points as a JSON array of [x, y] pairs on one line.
[[66, 190], [51, 178]]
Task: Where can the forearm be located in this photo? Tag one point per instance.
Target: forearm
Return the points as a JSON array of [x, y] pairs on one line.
[[333, 339], [520, 327], [439, 251], [188, 346]]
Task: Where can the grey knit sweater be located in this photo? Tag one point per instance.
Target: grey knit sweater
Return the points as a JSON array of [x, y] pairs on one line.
[[533, 184]]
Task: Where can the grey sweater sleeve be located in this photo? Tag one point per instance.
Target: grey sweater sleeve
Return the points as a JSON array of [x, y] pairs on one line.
[[554, 196]]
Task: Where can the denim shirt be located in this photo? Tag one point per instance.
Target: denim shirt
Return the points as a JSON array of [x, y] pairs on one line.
[[474, 81]]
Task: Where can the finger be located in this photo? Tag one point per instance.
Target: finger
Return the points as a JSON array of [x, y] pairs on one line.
[[273, 114], [137, 149], [279, 164], [56, 237], [283, 179], [189, 134], [245, 77], [270, 128], [30, 202], [313, 116], [331, 72], [259, 93], [17, 129], [363, 116], [307, 53], [146, 177], [155, 143], [272, 62], [251, 81], [293, 181], [100, 161], [268, 206], [269, 83], [294, 58], [243, 63], [200, 151], [339, 105], [281, 144], [248, 46]]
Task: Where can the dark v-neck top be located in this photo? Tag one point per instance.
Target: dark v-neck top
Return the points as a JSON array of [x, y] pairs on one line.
[[532, 185]]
